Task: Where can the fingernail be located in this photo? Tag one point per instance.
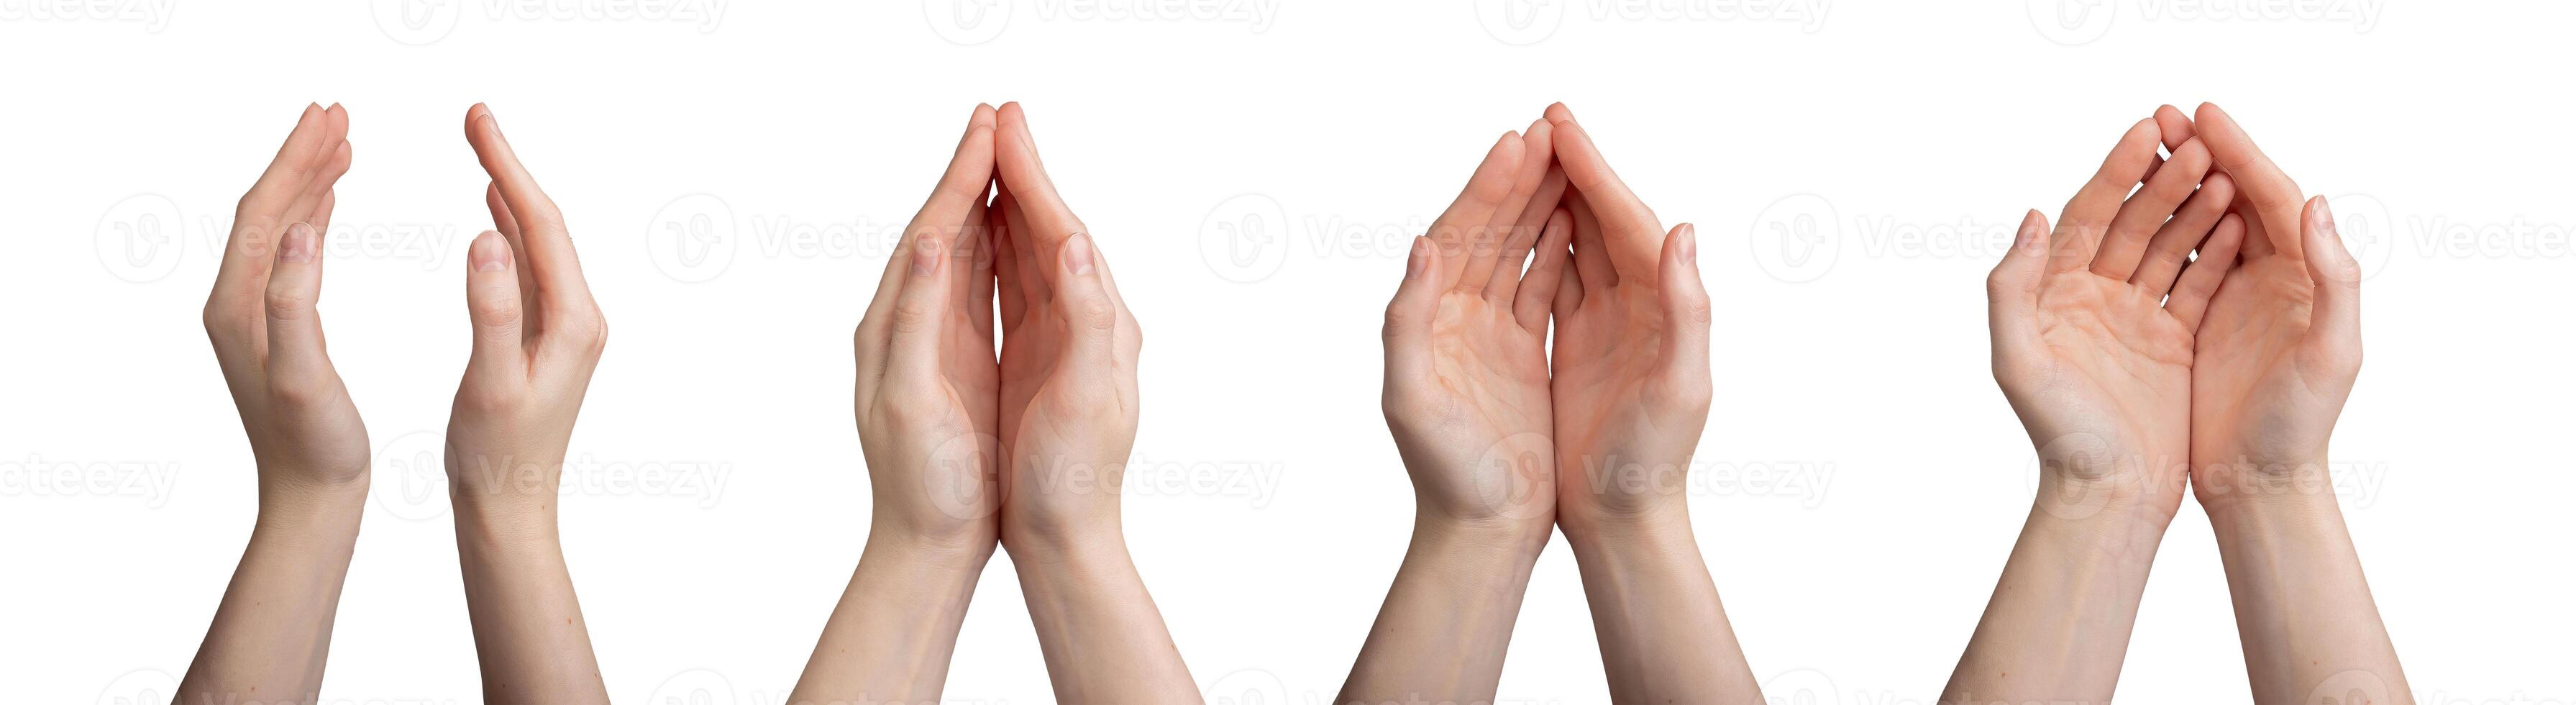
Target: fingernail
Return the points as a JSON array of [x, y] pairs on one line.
[[297, 246], [1077, 253], [2028, 237], [486, 253], [2322, 215], [1689, 245], [925, 256], [1421, 259]]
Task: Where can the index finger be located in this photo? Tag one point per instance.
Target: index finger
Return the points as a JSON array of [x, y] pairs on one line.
[[2275, 198], [1634, 237], [541, 228]]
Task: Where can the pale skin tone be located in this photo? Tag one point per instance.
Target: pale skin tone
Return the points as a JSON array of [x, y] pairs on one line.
[[1498, 437], [2137, 371], [967, 448], [537, 337], [272, 631]]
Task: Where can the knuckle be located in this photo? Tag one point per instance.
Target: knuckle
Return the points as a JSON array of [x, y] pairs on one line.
[[1097, 313], [910, 316], [287, 305]]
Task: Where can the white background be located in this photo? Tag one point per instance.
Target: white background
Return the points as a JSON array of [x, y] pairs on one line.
[[1860, 483]]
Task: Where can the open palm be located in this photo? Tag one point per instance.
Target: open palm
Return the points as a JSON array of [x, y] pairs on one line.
[[1466, 344], [2093, 323]]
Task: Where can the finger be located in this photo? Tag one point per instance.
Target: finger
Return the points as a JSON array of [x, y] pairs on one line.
[[509, 229], [1557, 112], [2174, 129], [321, 219], [1083, 299], [2191, 292], [921, 308], [1686, 309], [974, 286], [1531, 226], [2147, 210], [1016, 160], [1509, 241], [2088, 215], [302, 208], [552, 266], [1634, 238], [1006, 269], [2012, 295], [1467, 225], [2274, 198], [1533, 295], [970, 169], [2174, 242], [251, 248], [295, 356], [1591, 255], [492, 300], [2335, 319], [1033, 280], [1569, 290]]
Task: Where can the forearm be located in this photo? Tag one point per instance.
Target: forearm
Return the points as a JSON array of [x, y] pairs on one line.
[[2059, 622], [1103, 639], [2303, 609], [1664, 635], [1447, 620], [895, 629], [272, 631], [529, 637]]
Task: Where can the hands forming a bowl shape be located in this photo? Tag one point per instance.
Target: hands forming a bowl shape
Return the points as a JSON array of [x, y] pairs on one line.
[[536, 338], [967, 447], [2191, 321], [1504, 442]]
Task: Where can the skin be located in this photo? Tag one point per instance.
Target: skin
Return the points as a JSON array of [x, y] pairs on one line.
[[1632, 391], [272, 631], [2278, 353], [537, 338], [2233, 382], [967, 449], [1491, 433]]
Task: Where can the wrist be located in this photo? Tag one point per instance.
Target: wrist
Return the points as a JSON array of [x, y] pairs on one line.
[[965, 551], [2244, 485], [1657, 525], [1442, 535]]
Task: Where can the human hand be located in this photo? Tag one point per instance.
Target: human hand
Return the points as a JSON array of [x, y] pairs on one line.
[[927, 379], [2092, 326], [1068, 362], [267, 335], [1466, 347], [2277, 353], [1631, 366], [537, 337]]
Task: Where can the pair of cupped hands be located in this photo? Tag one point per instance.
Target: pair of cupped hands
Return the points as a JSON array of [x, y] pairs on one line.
[[2140, 369], [537, 333], [1027, 446], [1502, 436]]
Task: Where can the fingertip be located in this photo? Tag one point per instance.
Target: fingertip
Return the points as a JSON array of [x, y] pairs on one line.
[[2032, 237], [1685, 239], [1077, 253], [1557, 112], [489, 253], [297, 245], [1419, 260]]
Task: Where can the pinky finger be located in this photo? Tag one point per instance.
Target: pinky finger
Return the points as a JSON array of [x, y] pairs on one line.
[[2199, 281]]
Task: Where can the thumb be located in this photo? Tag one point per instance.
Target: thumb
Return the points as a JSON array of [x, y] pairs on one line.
[[1686, 314], [295, 353], [1408, 317], [492, 297], [2012, 293], [2336, 316], [920, 308]]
